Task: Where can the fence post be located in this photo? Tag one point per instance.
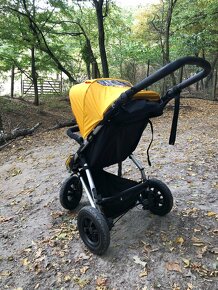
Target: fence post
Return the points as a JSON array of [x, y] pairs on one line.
[[41, 85], [21, 84], [61, 84]]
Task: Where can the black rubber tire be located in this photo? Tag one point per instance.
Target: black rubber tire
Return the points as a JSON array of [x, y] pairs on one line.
[[71, 192], [160, 197], [93, 230]]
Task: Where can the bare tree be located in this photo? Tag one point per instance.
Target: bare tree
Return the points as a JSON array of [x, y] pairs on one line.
[[163, 29]]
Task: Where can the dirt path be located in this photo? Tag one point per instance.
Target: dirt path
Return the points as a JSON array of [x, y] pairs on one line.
[[40, 246]]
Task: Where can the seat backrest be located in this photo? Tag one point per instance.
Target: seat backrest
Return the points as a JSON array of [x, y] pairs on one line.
[[119, 137]]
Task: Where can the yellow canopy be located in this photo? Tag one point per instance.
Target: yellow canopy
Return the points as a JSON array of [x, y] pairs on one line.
[[91, 99]]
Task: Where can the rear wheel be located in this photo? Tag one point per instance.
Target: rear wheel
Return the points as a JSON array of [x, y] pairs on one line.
[[159, 197], [71, 192], [93, 230]]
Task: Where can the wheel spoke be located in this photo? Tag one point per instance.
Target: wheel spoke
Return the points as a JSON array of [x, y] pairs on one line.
[[90, 230]]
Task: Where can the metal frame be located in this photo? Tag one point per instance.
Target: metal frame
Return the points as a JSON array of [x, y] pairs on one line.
[[124, 97], [90, 198], [91, 192], [139, 166]]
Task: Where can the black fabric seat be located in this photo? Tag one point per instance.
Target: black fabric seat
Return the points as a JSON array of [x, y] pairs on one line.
[[119, 138]]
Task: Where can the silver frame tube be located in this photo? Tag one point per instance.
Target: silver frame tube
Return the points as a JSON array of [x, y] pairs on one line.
[[88, 193], [90, 180], [139, 166]]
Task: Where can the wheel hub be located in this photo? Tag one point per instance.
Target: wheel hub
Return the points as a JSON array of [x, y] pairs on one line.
[[91, 231]]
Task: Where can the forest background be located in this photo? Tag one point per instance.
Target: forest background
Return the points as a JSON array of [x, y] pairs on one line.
[[75, 40]]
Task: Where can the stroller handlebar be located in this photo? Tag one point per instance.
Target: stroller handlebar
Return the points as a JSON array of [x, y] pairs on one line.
[[166, 70]]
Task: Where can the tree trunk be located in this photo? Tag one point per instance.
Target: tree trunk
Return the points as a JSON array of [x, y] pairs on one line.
[[181, 75], [1, 124], [148, 68], [214, 86], [101, 36], [166, 56], [210, 76], [17, 132], [89, 58], [95, 71], [34, 77], [12, 81]]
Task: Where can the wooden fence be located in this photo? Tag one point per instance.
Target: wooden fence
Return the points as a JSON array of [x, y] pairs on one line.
[[45, 87]]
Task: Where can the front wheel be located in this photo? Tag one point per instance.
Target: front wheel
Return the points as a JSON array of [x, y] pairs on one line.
[[160, 198], [93, 230], [71, 192]]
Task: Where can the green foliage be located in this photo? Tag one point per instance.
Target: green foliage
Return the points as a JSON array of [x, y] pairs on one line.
[[196, 27], [131, 37]]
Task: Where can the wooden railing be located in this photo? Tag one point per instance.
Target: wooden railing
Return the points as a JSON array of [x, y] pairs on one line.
[[45, 87]]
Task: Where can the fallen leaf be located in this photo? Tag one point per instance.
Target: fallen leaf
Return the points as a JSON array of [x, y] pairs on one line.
[[84, 269], [138, 261], [101, 281], [211, 214], [38, 253], [61, 236], [67, 278], [143, 274], [175, 287], [180, 240], [81, 282], [190, 211], [25, 262], [82, 256], [197, 242], [147, 247], [173, 266], [15, 171], [5, 273], [197, 230], [214, 250], [187, 263], [56, 214], [190, 286], [201, 251], [5, 219]]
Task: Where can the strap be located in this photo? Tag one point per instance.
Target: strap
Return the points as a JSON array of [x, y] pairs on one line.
[[120, 169], [174, 121], [152, 138]]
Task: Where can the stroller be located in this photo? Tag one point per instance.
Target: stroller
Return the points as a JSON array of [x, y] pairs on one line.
[[111, 116]]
